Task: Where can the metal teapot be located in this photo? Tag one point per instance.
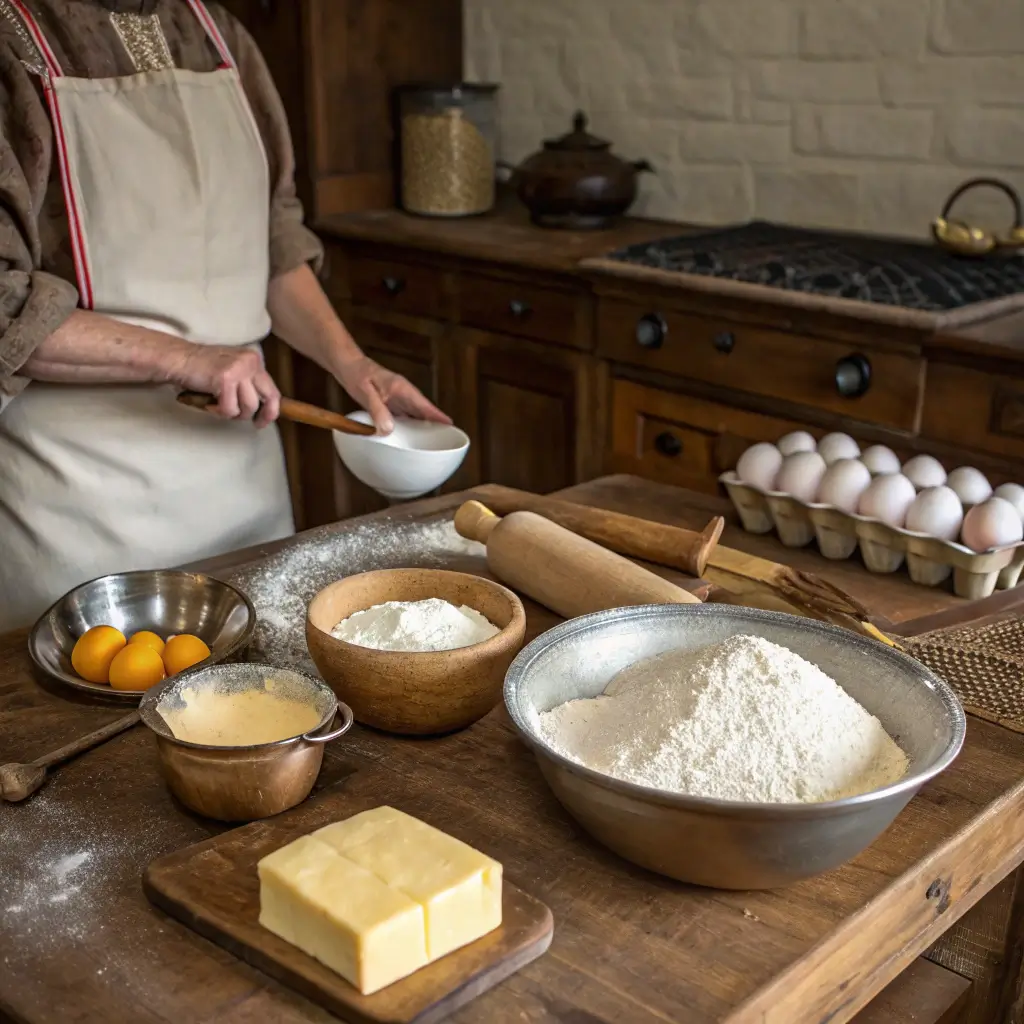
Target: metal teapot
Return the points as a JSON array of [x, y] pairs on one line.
[[575, 181]]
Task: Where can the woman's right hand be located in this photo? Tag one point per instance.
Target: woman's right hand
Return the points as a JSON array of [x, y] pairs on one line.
[[235, 376]]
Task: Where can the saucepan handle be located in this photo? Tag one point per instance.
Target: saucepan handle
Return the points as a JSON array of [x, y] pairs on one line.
[[346, 723]]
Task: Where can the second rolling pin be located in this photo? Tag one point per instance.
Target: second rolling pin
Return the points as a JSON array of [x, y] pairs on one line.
[[559, 569]]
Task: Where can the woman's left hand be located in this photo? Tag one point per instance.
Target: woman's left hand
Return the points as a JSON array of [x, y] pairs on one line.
[[384, 394]]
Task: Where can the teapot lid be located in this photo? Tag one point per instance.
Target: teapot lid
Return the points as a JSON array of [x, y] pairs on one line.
[[579, 138]]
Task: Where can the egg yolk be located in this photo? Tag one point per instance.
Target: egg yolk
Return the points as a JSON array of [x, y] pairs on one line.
[[182, 652], [136, 667], [147, 639], [95, 650]]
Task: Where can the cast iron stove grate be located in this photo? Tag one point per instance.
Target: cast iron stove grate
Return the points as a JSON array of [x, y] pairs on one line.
[[846, 266]]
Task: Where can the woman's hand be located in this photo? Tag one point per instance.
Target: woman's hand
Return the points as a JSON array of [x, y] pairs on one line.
[[236, 376], [383, 394]]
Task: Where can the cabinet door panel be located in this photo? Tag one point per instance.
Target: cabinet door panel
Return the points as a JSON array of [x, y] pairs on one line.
[[530, 410]]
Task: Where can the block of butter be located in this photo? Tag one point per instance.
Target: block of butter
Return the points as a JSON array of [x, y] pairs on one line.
[[379, 895]]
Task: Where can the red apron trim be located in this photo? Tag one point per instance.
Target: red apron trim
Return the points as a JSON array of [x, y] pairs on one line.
[[76, 231], [206, 20]]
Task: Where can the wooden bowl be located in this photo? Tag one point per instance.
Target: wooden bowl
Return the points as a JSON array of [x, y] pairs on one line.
[[421, 693]]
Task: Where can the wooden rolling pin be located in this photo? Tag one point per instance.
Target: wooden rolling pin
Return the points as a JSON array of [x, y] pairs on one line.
[[559, 569], [672, 546], [750, 578], [297, 412]]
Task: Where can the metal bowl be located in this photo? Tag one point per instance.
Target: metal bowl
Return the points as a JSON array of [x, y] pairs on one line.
[[718, 843], [249, 782], [165, 601]]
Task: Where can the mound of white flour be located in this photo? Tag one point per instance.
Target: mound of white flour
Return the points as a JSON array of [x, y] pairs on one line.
[[744, 719], [430, 625]]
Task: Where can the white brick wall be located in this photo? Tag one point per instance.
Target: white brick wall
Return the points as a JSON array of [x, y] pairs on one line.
[[846, 113]]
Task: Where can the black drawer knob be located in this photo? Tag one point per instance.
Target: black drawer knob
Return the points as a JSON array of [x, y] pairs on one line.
[[520, 310], [853, 375], [668, 444], [393, 285], [651, 330], [724, 342]]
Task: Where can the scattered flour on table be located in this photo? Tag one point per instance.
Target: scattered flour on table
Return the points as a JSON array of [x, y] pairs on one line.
[[415, 626], [743, 719], [282, 586]]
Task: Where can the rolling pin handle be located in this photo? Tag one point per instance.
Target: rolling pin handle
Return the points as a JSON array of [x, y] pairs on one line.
[[709, 538], [475, 521]]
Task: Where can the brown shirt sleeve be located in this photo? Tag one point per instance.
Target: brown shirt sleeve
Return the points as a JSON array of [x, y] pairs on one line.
[[291, 243], [33, 303]]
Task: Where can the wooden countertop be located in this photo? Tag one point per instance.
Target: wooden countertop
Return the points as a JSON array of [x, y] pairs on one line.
[[629, 946], [504, 237], [507, 238]]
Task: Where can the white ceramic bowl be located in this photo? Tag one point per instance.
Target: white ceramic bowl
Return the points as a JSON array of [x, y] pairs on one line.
[[412, 460]]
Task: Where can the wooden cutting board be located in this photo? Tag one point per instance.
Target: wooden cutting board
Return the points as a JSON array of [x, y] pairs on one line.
[[212, 887]]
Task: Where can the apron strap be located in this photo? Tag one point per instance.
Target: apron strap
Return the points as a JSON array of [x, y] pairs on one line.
[[53, 71], [206, 20]]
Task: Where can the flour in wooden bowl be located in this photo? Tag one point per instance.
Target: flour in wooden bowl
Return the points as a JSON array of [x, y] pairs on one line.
[[743, 720]]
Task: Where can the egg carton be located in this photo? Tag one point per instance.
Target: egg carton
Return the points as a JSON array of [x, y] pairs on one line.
[[884, 548]]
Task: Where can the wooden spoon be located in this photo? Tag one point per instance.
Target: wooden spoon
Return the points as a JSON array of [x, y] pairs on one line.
[[297, 412], [19, 781]]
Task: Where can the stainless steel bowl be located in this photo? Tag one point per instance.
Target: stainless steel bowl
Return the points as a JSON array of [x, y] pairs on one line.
[[249, 782], [719, 843], [165, 601]]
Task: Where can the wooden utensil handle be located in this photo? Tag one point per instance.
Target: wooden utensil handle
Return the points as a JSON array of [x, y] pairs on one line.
[[672, 546], [87, 742], [291, 409]]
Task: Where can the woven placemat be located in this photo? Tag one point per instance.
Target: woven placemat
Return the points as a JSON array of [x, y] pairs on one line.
[[983, 664]]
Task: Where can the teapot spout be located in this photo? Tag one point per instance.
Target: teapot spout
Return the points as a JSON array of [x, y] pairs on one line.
[[643, 167]]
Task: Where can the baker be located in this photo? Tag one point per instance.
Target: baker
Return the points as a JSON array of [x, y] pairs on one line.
[[150, 238]]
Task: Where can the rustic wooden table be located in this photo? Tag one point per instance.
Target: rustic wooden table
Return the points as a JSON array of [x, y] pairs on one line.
[[79, 942]]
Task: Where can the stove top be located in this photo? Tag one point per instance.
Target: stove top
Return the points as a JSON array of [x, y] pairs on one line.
[[845, 266]]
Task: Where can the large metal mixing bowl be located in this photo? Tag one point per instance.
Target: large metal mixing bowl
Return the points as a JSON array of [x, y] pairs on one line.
[[166, 601], [724, 844]]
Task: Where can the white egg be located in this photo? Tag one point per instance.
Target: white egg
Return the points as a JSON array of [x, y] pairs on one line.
[[800, 475], [936, 512], [797, 441], [970, 485], [843, 483], [833, 447], [992, 524], [923, 472], [880, 459], [887, 498], [1014, 494], [758, 466]]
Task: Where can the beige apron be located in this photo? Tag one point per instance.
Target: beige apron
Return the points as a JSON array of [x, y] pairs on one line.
[[167, 192]]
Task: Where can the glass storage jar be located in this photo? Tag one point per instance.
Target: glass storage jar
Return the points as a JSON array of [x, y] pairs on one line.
[[448, 146]]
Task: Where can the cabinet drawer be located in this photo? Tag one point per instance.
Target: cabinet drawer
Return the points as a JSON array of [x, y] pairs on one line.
[[883, 388], [401, 287], [975, 410], [682, 440], [525, 310]]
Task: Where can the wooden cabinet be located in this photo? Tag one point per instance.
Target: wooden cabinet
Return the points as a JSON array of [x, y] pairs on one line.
[[559, 376], [681, 439], [336, 64], [526, 309], [529, 410], [866, 383]]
